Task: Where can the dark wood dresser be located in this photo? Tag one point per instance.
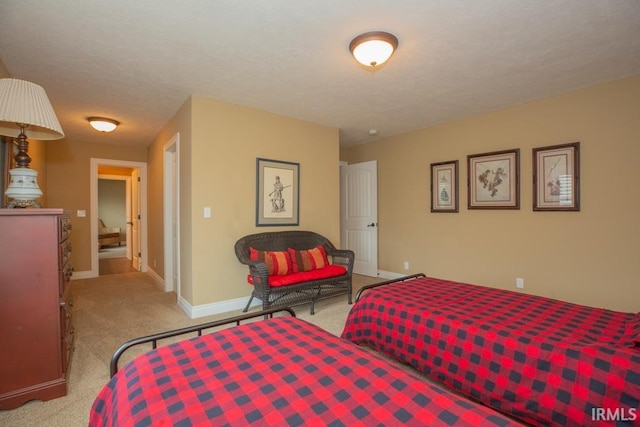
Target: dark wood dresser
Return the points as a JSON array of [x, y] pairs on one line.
[[36, 333]]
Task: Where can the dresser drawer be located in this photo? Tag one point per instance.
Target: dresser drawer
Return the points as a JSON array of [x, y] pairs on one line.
[[64, 228], [64, 253], [64, 277], [66, 328]]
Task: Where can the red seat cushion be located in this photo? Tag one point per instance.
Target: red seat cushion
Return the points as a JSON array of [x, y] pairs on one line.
[[291, 279]]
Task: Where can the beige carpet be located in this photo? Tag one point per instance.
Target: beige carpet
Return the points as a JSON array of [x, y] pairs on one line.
[[115, 266], [112, 309]]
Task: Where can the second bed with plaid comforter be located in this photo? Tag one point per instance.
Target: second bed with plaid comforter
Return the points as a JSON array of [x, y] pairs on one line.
[[281, 371], [544, 361]]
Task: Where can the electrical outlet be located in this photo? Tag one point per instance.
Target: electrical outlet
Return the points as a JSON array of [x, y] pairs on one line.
[[406, 265], [519, 283]]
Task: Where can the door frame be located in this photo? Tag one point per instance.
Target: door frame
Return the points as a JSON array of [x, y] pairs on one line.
[[93, 211], [171, 168], [127, 180]]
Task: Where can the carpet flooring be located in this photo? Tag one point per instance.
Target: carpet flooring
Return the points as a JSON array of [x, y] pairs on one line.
[[114, 308]]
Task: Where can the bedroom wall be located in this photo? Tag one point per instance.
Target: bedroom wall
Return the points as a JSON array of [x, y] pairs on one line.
[[587, 257], [4, 73], [179, 124], [218, 160], [68, 185], [112, 198]]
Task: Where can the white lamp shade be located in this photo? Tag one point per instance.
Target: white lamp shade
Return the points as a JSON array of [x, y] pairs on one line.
[[373, 52], [373, 49], [23, 102], [102, 124]]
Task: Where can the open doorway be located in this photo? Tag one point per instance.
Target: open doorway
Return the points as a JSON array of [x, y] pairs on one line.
[[114, 220], [118, 233]]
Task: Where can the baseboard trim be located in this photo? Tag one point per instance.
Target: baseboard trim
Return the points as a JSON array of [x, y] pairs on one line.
[[156, 278], [78, 275], [389, 275], [216, 307]]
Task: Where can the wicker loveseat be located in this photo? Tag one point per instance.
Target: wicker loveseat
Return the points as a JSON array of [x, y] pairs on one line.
[[298, 273], [108, 235]]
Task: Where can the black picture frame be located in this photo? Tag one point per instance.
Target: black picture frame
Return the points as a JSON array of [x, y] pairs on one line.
[[556, 177], [444, 187], [277, 193]]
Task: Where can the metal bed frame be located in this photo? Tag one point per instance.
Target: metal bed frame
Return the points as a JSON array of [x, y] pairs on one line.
[[154, 338], [387, 282]]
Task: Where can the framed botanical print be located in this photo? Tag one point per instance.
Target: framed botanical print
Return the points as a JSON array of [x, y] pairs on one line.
[[493, 180], [444, 186], [277, 192], [556, 177]]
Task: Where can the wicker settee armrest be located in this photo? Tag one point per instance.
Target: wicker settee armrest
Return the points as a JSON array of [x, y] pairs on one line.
[[343, 257]]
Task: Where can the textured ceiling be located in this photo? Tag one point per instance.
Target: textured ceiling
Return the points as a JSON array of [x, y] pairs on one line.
[[138, 61]]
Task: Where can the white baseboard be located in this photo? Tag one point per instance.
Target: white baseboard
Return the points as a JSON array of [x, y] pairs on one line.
[[215, 307], [156, 277], [389, 275], [77, 275]]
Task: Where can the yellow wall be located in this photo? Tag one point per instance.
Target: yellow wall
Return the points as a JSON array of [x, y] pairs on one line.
[[68, 185], [218, 167], [4, 73], [588, 257], [179, 124]]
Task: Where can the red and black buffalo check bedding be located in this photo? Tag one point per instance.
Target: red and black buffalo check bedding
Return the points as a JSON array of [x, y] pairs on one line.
[[281, 371], [540, 360]]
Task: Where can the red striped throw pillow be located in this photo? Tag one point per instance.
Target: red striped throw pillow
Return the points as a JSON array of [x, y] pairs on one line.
[[278, 263], [310, 259]]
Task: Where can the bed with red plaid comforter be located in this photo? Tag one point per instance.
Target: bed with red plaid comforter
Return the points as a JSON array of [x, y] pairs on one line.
[[544, 361], [280, 371]]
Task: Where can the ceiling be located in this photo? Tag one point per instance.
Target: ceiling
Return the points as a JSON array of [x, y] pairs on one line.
[[138, 61]]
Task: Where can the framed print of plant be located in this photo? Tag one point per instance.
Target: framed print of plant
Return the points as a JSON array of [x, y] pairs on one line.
[[493, 180], [556, 177], [444, 186]]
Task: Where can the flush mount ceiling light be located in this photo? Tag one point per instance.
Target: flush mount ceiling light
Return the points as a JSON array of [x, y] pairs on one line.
[[102, 124], [374, 48]]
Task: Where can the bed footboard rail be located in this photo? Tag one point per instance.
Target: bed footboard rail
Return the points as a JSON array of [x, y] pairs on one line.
[[375, 285], [154, 338]]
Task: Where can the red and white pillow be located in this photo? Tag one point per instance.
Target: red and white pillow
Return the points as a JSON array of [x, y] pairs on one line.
[[310, 259], [278, 262]]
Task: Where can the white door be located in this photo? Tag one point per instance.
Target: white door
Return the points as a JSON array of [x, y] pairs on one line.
[[359, 215], [135, 219]]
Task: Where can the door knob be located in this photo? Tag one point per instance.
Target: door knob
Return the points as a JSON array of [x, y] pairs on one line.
[[373, 224]]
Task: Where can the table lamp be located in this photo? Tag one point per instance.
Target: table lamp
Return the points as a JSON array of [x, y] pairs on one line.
[[25, 105]]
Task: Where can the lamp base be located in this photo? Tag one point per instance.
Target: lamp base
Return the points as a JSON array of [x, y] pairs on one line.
[[23, 188], [23, 204]]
